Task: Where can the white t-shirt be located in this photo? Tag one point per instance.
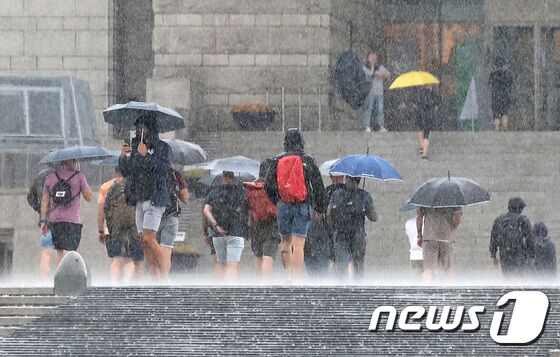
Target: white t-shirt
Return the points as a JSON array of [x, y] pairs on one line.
[[412, 233], [376, 83]]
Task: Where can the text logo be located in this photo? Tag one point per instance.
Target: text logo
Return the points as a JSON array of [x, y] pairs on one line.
[[525, 325]]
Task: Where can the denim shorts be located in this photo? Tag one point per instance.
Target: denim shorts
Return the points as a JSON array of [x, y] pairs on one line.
[[148, 216], [293, 219], [167, 232], [46, 241], [124, 243], [228, 248]]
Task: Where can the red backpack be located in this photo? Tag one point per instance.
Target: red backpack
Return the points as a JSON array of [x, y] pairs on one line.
[[262, 208], [291, 179]]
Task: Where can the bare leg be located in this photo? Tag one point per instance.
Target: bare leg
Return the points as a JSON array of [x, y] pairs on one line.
[[45, 263], [421, 138], [350, 271], [427, 276], [152, 251], [128, 269], [232, 271], [165, 262], [497, 124], [297, 256], [59, 255], [258, 265], [505, 121], [267, 266], [115, 270], [286, 255], [426, 147]]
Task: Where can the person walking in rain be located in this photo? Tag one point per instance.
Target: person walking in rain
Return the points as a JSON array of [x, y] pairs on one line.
[[348, 208], [427, 104], [501, 86], [416, 256], [375, 73], [34, 197], [544, 266], [294, 183], [145, 165], [60, 207], [435, 228], [512, 236], [169, 225], [227, 212], [112, 244], [263, 226], [319, 245]]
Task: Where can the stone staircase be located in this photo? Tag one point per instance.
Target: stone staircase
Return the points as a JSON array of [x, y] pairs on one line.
[[264, 321], [19, 306]]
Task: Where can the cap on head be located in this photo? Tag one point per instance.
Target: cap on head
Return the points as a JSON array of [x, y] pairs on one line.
[[228, 175], [293, 140]]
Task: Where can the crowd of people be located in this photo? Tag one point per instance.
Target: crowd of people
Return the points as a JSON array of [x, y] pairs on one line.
[[316, 228]]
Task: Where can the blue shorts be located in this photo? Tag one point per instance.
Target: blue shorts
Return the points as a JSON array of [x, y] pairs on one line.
[[46, 241], [293, 219], [228, 248]]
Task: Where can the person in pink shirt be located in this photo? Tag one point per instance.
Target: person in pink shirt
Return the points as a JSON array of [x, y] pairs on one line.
[[61, 199]]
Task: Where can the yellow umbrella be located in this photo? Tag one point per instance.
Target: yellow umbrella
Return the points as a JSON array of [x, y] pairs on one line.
[[413, 79]]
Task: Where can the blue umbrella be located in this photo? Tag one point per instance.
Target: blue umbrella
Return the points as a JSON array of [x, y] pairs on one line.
[[125, 115], [236, 164], [367, 166], [78, 153]]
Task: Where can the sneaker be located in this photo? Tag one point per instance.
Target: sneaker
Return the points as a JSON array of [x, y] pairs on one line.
[[424, 158], [382, 130], [368, 130], [420, 151]]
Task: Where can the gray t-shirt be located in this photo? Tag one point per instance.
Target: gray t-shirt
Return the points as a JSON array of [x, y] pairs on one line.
[[376, 83], [438, 223]]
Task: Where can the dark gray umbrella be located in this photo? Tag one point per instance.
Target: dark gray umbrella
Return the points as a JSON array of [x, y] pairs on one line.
[[125, 115], [449, 192], [185, 153], [350, 79], [78, 153]]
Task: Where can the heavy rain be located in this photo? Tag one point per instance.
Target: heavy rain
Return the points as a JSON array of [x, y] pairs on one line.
[[279, 167]]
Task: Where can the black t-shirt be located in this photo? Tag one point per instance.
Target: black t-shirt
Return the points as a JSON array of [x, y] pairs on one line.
[[500, 82], [230, 208]]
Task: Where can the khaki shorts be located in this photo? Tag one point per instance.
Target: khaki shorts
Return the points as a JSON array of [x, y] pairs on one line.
[[437, 252]]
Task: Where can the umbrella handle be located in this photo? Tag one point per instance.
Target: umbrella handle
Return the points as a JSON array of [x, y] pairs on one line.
[[142, 136]]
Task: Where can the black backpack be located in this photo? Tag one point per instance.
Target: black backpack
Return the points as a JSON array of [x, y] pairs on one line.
[[349, 210], [62, 191]]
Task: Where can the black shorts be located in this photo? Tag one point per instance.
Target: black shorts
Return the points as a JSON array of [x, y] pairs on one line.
[[264, 238], [500, 108], [125, 244], [425, 124], [65, 235]]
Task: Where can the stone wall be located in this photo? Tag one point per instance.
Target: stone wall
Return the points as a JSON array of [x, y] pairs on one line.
[[236, 52], [58, 37]]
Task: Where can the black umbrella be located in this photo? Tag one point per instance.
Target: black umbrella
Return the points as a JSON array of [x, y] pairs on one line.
[[449, 192], [350, 79], [125, 115]]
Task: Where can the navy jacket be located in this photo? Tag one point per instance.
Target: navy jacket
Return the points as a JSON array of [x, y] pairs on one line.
[[154, 167]]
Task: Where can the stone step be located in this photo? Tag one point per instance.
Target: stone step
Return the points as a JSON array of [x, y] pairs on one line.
[[247, 320], [16, 320], [32, 300], [27, 291], [6, 331], [6, 311]]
